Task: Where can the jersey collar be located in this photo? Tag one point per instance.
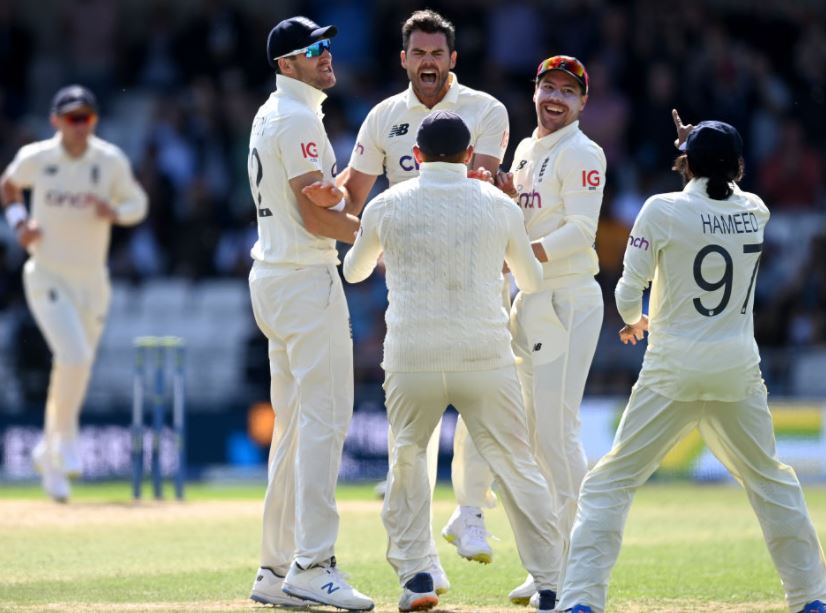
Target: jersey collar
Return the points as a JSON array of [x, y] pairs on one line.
[[441, 170], [554, 137], [451, 97], [298, 90]]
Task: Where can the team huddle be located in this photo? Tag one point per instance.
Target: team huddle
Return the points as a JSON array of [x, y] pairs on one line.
[[447, 228]]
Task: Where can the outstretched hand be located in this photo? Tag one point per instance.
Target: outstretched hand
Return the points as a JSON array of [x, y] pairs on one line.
[[324, 194], [683, 130], [635, 332]]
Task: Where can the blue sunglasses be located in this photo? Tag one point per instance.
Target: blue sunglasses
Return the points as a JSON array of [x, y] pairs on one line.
[[314, 50]]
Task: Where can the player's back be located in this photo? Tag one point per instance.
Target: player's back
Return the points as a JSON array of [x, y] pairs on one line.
[[707, 253], [444, 242]]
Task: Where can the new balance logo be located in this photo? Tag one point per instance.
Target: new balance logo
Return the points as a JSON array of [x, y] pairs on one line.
[[330, 587], [398, 130], [537, 347], [521, 164]]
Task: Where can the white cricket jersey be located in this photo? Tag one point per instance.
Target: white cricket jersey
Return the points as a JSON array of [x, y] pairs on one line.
[[288, 140], [702, 255], [63, 193], [386, 138], [444, 238], [559, 181]]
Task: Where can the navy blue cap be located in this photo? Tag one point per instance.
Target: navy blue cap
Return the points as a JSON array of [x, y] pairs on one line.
[[442, 134], [713, 141], [73, 97], [293, 34]]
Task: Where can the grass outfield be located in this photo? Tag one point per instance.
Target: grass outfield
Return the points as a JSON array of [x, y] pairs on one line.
[[687, 548]]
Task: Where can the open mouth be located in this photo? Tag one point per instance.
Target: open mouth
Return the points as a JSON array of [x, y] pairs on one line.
[[554, 109], [326, 69], [428, 77]]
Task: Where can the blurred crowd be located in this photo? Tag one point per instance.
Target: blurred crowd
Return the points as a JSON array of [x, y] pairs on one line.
[[180, 82]]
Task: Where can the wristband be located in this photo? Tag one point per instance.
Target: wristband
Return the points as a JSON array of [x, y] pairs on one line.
[[339, 207], [16, 214]]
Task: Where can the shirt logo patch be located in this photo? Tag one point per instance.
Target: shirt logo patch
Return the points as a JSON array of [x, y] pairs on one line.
[[309, 150], [398, 130], [51, 170], [639, 242], [590, 179]]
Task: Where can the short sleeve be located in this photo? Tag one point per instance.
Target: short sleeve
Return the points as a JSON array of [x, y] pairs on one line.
[[494, 131], [23, 168], [368, 154], [300, 142]]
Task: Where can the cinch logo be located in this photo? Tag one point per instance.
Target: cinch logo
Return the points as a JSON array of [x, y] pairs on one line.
[[590, 179], [309, 150], [529, 201], [639, 242], [330, 587], [359, 148], [408, 163], [76, 201], [399, 130]]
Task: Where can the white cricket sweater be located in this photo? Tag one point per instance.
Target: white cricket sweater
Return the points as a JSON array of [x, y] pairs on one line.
[[444, 239]]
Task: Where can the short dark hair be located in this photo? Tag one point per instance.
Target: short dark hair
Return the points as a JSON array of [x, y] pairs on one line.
[[430, 22], [719, 176], [456, 158]]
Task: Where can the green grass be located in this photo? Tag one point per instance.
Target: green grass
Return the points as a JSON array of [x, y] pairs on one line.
[[687, 548]]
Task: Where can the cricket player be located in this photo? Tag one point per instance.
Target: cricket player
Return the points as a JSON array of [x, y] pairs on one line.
[[299, 305], [80, 185], [557, 179], [701, 247], [444, 237], [384, 145]]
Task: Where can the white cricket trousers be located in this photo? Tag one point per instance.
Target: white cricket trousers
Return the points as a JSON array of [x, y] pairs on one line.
[[491, 404], [303, 313], [70, 309], [555, 335], [740, 435]]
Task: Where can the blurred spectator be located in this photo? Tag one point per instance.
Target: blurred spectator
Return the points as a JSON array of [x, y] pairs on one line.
[[792, 175]]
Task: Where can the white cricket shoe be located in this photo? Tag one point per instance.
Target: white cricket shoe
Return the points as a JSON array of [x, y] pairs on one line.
[[418, 594], [68, 456], [466, 530], [54, 482], [522, 595], [266, 589], [325, 585]]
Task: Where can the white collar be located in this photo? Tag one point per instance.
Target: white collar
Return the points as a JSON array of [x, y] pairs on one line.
[[300, 91], [442, 169], [554, 137]]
